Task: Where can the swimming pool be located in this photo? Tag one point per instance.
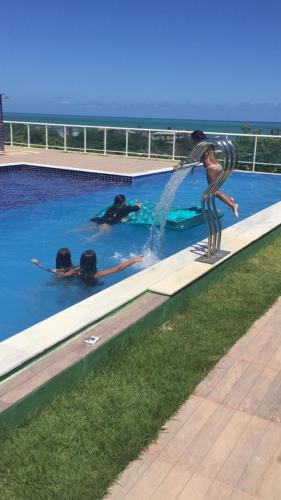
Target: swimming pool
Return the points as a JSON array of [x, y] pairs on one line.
[[42, 212]]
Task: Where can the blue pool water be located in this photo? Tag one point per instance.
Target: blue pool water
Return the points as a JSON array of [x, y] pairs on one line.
[[40, 213]]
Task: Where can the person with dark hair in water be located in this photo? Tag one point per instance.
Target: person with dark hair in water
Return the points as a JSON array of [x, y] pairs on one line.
[[118, 212], [63, 259], [88, 266], [64, 266], [213, 169], [87, 270]]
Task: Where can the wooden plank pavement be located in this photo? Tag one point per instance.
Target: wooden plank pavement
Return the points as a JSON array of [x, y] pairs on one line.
[[225, 442]]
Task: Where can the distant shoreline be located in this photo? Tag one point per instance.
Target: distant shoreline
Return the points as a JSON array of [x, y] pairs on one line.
[[136, 122]]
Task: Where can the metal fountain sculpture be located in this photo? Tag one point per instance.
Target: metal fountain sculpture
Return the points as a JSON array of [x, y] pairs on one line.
[[208, 204]]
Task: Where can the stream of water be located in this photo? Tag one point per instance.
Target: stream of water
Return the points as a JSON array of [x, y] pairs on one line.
[[152, 247]]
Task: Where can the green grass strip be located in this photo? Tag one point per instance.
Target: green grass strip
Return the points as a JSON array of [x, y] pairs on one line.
[[77, 446]]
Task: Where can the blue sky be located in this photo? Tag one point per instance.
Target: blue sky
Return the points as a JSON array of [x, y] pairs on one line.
[[182, 59]]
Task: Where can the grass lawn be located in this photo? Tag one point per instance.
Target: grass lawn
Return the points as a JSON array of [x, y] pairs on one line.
[[79, 443]]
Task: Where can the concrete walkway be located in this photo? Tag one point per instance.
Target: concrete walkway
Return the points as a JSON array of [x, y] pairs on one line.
[[225, 442], [88, 161]]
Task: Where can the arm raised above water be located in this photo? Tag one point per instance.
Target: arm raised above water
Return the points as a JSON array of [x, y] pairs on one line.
[[119, 267]]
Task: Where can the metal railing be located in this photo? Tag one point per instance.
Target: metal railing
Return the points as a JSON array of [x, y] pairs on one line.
[[256, 152]]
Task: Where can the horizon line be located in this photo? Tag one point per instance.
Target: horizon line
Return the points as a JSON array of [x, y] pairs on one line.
[[141, 118]]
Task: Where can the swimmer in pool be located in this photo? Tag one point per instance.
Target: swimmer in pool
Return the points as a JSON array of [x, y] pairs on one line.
[[88, 267], [64, 266], [213, 169], [118, 212], [87, 270]]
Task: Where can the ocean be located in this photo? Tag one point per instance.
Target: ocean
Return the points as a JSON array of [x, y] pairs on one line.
[[150, 123]]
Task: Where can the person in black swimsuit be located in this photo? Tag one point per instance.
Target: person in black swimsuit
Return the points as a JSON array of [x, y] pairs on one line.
[[118, 212]]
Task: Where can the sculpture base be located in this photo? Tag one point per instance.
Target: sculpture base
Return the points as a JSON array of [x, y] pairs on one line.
[[212, 259]]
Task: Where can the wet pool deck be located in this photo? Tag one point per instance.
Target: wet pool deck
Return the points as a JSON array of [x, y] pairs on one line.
[[86, 161], [225, 441]]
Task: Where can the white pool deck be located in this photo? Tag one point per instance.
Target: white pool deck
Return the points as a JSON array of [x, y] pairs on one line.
[[117, 165]]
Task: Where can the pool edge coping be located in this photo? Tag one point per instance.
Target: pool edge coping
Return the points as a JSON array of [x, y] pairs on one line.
[[87, 170]]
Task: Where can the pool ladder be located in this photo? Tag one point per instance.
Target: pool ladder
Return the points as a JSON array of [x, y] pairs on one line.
[[208, 204]]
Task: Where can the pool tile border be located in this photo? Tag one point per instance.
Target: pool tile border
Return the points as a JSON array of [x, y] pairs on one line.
[[67, 172]]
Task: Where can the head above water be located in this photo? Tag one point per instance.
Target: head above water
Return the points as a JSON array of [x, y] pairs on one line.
[[63, 259], [198, 136], [119, 199], [88, 265]]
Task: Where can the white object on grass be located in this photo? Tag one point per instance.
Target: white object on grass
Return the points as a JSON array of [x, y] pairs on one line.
[[92, 340]]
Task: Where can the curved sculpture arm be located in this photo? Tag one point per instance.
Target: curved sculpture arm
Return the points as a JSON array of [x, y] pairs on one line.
[[208, 204]]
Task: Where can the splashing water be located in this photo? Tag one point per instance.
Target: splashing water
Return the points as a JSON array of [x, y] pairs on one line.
[[152, 246], [148, 259]]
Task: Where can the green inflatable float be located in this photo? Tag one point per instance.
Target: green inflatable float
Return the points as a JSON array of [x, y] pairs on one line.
[[178, 218]]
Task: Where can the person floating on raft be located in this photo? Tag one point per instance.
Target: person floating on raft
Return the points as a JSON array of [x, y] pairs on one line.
[[118, 212]]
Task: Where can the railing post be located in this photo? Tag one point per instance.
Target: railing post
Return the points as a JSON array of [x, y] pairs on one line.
[[255, 153], [149, 143], [85, 140], [174, 146], [28, 135], [64, 138], [11, 134], [46, 137], [127, 141], [104, 142]]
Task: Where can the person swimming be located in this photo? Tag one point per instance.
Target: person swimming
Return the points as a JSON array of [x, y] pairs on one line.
[[63, 259], [213, 169], [118, 212], [64, 265], [88, 265], [87, 270]]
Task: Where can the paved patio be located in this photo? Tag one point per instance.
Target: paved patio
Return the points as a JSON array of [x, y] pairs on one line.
[[225, 442], [88, 161]]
